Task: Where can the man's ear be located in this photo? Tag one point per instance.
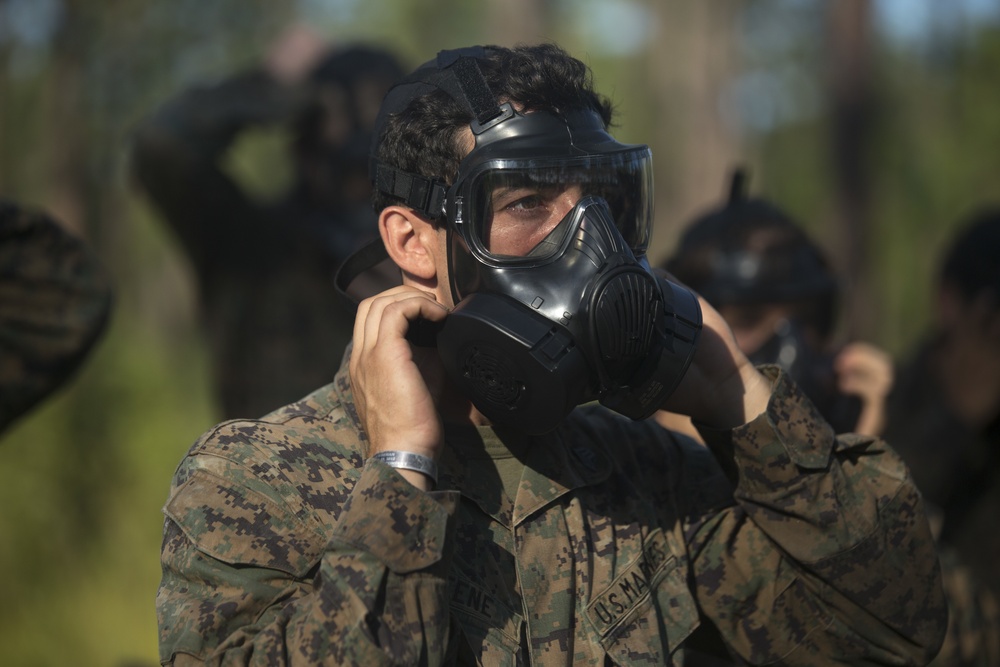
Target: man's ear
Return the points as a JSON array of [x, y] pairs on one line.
[[410, 240]]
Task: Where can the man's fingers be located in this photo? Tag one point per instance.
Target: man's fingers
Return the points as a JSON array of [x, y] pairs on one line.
[[388, 315], [393, 398], [864, 370], [370, 311], [384, 319]]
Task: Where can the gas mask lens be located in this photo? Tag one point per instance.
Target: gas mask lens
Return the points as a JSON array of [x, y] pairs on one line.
[[520, 210]]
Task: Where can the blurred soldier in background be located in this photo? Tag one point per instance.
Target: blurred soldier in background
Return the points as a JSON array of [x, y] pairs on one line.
[[276, 326], [54, 304], [774, 287], [944, 416]]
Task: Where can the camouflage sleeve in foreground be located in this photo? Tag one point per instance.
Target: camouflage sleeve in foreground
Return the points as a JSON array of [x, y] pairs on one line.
[[828, 550], [54, 303], [377, 596]]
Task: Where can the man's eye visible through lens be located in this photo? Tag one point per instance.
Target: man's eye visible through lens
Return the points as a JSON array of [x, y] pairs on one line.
[[523, 216], [525, 203], [521, 201]]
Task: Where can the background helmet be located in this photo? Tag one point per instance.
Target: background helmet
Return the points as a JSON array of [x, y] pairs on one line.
[[749, 251]]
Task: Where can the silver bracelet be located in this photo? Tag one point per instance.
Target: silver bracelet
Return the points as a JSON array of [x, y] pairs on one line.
[[409, 461]]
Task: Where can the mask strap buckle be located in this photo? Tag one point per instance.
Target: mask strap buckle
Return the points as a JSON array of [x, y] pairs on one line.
[[459, 76], [422, 194], [504, 111]]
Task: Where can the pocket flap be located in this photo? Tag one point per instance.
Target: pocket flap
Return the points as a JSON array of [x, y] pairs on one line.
[[241, 526]]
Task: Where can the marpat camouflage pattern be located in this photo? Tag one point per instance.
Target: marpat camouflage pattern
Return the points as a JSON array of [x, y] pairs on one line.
[[283, 546]]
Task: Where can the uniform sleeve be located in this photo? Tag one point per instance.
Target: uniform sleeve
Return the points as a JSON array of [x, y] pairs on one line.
[[826, 557], [249, 581], [54, 304]]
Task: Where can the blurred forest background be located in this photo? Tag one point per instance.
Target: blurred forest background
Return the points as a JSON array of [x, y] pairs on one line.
[[877, 124]]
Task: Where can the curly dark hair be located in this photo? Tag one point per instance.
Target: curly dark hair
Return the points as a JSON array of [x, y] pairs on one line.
[[423, 137]]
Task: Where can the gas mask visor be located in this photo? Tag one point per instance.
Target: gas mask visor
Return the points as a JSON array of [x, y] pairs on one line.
[[519, 211]]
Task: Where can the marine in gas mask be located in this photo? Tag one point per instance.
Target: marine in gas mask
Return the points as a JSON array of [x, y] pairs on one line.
[[422, 509], [778, 292]]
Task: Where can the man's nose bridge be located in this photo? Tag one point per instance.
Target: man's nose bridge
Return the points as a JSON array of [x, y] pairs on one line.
[[569, 198]]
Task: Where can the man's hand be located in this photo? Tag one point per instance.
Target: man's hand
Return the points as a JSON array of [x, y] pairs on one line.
[[294, 53], [395, 384], [865, 371], [721, 388]]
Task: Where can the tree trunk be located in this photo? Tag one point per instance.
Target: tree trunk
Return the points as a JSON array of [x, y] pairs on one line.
[[67, 133], [849, 34], [693, 57]]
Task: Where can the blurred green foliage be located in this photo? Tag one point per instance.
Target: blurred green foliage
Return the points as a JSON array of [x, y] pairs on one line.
[[931, 167], [87, 473]]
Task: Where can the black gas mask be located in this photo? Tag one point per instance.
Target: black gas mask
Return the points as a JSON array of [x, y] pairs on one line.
[[548, 222]]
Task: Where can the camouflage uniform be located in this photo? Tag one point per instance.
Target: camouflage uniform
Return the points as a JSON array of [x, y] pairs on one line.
[[54, 304], [283, 545]]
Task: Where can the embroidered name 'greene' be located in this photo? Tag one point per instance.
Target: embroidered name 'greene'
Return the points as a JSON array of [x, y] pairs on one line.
[[631, 586], [472, 604]]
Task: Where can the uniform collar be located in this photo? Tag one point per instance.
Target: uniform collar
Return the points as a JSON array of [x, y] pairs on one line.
[[553, 468], [557, 465]]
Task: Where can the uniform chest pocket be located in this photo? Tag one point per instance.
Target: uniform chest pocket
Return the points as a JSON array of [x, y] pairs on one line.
[[647, 612], [249, 529]]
